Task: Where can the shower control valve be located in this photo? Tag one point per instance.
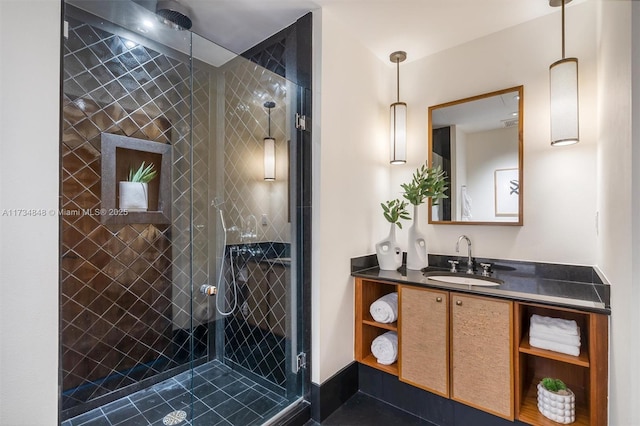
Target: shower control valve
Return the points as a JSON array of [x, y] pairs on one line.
[[208, 290]]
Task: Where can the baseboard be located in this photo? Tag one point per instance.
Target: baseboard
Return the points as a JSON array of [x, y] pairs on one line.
[[330, 395], [425, 405]]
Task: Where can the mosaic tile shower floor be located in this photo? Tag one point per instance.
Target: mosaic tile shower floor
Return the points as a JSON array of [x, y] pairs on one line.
[[221, 396]]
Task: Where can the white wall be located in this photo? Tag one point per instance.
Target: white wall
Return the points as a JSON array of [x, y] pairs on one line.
[[351, 178], [618, 198], [559, 198], [351, 171], [29, 145]]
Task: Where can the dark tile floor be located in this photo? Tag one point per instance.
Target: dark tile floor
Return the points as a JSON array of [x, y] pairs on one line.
[[363, 410], [221, 396]]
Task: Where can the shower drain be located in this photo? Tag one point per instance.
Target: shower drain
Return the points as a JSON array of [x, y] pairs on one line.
[[174, 417]]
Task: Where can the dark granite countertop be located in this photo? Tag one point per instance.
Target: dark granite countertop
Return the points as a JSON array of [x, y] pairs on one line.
[[577, 287]]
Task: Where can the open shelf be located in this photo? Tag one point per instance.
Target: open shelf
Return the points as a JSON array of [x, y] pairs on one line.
[[529, 412], [392, 326], [581, 360], [367, 329], [371, 361], [585, 374]]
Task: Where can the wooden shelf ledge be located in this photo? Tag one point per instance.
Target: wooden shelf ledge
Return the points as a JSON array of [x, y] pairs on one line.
[[582, 360], [371, 361], [391, 326]]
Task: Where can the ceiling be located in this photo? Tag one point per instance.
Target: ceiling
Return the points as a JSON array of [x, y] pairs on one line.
[[419, 27]]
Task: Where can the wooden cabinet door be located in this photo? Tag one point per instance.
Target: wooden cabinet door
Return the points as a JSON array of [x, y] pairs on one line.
[[424, 339], [255, 309], [481, 353], [279, 279]]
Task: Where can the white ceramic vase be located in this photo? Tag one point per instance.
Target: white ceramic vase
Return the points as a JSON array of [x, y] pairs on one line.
[[388, 252], [559, 408], [134, 196], [417, 258]]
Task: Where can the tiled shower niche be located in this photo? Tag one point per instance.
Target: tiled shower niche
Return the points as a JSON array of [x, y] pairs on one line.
[[125, 289]]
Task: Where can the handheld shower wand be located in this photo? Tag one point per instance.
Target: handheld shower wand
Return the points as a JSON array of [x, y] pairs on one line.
[[217, 203]]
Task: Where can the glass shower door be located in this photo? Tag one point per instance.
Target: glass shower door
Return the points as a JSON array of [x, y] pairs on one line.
[[251, 230]]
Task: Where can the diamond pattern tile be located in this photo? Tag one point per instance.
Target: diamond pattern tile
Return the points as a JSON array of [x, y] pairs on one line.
[[255, 334], [122, 286], [127, 290]]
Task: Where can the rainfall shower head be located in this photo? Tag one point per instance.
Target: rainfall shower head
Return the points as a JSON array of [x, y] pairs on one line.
[[173, 14]]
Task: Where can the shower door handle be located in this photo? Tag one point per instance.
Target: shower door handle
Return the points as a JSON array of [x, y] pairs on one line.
[[208, 290]]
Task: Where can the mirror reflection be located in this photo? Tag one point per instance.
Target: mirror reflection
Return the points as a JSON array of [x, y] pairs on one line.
[[478, 142]]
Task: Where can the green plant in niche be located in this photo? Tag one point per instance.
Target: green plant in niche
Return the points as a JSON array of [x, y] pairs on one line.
[[394, 210], [427, 182], [143, 174], [554, 385]]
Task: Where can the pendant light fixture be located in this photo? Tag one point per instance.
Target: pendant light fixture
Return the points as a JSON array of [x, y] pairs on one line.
[[398, 135], [269, 149], [563, 84]]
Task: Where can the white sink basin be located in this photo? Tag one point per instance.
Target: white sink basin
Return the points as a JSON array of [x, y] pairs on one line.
[[466, 280]]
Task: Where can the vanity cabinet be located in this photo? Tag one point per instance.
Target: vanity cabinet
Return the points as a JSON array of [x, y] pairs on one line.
[[475, 350], [257, 300], [265, 296], [424, 338], [481, 353], [586, 374]]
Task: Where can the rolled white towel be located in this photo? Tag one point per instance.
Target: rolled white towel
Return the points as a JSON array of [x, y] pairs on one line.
[[553, 325], [554, 346], [385, 348], [558, 338], [385, 309]]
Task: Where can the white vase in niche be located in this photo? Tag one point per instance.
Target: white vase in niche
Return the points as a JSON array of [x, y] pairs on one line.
[[388, 252], [417, 250], [134, 196]]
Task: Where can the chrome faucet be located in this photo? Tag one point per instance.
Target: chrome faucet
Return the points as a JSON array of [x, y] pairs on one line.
[[470, 258]]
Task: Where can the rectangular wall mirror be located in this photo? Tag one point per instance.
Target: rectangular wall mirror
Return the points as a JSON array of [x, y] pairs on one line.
[[478, 142]]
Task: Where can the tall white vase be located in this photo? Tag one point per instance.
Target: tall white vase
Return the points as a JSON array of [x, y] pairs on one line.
[[417, 250], [388, 252]]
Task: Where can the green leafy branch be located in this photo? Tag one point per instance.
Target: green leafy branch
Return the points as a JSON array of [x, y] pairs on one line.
[[426, 182], [143, 174], [394, 210]]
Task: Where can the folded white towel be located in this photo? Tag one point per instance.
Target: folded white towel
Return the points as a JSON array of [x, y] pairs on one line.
[[385, 309], [553, 325], [385, 348], [554, 346], [558, 338]]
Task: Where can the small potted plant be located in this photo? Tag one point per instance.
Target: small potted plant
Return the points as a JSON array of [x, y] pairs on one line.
[[555, 401], [426, 182], [134, 192], [388, 251]]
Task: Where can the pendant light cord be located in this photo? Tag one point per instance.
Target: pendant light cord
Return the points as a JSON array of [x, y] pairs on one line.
[[269, 133], [398, 79], [563, 56]]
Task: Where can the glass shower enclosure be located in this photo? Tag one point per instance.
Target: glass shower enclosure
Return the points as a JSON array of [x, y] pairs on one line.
[[185, 310]]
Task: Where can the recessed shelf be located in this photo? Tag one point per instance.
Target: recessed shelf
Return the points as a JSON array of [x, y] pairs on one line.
[[581, 360]]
